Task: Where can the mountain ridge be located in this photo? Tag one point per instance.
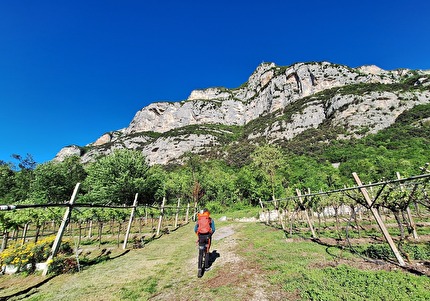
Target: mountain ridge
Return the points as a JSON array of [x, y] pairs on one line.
[[299, 97]]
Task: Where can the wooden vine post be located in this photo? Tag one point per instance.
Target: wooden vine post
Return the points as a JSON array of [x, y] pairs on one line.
[[299, 194], [130, 222], [187, 214], [378, 219], [60, 233], [160, 219], [177, 213], [281, 221]]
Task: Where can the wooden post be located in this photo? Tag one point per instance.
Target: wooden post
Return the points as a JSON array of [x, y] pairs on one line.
[[188, 213], [130, 222], [160, 219], [378, 219], [146, 214], [408, 212], [261, 204], [90, 229], [177, 213], [63, 226], [279, 213], [24, 233], [262, 213], [306, 213]]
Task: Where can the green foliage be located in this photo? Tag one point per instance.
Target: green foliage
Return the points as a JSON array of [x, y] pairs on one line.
[[417, 251], [347, 283], [117, 177], [383, 251], [54, 182], [7, 182]]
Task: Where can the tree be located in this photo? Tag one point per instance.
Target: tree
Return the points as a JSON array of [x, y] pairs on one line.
[[7, 182], [155, 184], [268, 159], [117, 177], [179, 184], [218, 182], [23, 178], [54, 182]]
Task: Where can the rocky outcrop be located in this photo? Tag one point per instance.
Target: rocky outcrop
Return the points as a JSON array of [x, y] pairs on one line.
[[297, 98]]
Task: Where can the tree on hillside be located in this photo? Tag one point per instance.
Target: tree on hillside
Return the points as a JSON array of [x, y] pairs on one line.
[[179, 184], [117, 177], [23, 178], [194, 164], [218, 182], [7, 182], [155, 184], [268, 159], [54, 182]]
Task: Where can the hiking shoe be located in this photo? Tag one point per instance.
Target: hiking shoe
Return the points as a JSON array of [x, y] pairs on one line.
[[200, 273], [208, 269]]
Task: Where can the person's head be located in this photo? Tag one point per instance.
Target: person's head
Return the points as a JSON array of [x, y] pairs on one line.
[[205, 211]]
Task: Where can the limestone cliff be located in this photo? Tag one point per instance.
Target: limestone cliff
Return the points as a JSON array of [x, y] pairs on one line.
[[290, 99]]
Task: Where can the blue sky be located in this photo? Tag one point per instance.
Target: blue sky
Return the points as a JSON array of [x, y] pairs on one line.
[[71, 71]]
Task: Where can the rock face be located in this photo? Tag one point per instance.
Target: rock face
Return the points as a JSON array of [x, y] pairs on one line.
[[362, 100]]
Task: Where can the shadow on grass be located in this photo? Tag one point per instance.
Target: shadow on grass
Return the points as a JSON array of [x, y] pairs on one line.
[[328, 246], [27, 290], [104, 256]]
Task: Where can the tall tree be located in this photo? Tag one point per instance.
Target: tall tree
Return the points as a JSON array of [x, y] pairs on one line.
[[23, 177], [7, 182], [54, 181], [268, 159], [117, 177]]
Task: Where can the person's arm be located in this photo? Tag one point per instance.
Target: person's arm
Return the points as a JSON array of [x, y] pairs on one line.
[[213, 226], [196, 226]]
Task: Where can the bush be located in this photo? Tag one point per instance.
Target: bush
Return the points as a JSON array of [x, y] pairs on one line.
[[417, 252], [377, 251], [63, 264], [25, 256]]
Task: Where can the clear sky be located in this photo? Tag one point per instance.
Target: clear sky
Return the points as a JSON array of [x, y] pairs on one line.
[[71, 71]]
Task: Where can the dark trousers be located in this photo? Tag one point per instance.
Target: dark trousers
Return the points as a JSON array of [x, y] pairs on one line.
[[205, 239]]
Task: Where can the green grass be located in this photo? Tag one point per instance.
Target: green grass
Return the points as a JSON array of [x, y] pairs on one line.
[[309, 270], [346, 283]]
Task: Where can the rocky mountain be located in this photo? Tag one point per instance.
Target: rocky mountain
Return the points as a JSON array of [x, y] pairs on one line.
[[276, 104]]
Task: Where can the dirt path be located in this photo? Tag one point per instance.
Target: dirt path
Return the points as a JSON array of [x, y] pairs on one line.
[[231, 277]]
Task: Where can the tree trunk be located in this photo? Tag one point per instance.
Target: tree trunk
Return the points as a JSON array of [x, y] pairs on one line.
[[356, 220], [36, 236], [399, 223]]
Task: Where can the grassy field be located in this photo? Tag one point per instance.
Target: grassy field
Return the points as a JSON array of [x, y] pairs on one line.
[[251, 261]]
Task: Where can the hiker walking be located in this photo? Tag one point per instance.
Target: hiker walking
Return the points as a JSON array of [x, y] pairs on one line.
[[204, 229], [205, 226]]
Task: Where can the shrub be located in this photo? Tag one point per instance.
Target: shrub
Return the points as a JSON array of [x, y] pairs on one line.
[[25, 256], [63, 264]]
